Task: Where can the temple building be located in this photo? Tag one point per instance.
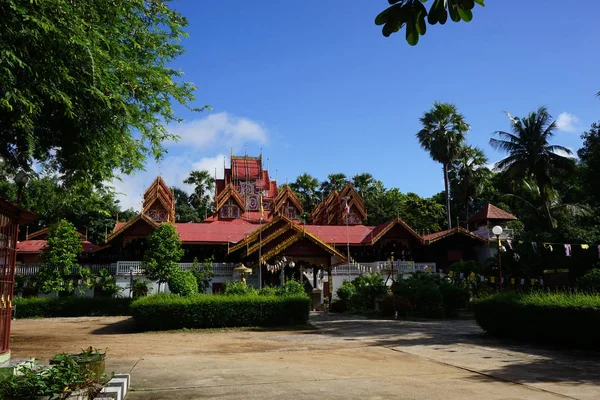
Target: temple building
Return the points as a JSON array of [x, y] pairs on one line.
[[258, 223]]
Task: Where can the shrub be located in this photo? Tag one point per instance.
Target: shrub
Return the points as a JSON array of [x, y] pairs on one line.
[[455, 296], [338, 306], [292, 288], [590, 281], [140, 288], [183, 283], [345, 291], [203, 273], [394, 303], [269, 291], [565, 318], [163, 312], [106, 283], [238, 288], [34, 307], [423, 291]]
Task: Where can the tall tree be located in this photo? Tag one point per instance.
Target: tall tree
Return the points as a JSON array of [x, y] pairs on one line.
[[589, 154], [86, 88], [443, 136], [468, 176], [184, 210], [333, 182], [204, 186], [532, 156], [363, 183], [60, 269], [162, 254], [306, 187]]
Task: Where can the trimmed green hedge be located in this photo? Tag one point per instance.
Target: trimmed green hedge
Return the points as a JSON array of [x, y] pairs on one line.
[[167, 311], [34, 307], [563, 318]]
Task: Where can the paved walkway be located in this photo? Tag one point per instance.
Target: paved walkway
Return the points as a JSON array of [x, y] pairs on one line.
[[343, 358]]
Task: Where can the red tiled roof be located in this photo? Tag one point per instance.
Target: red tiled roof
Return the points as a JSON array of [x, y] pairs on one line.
[[433, 237], [215, 232], [355, 234], [36, 246], [246, 167], [490, 211], [118, 225]]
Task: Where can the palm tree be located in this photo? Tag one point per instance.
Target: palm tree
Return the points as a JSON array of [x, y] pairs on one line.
[[532, 156], [204, 185], [364, 183], [468, 175], [333, 182], [443, 135], [306, 187]]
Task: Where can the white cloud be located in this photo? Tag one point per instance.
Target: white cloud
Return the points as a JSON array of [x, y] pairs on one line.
[[210, 164], [567, 122], [219, 129]]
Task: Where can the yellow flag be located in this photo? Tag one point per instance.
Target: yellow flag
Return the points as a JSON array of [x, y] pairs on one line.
[[472, 276], [512, 281], [262, 211], [585, 246], [533, 282], [493, 279], [450, 274]]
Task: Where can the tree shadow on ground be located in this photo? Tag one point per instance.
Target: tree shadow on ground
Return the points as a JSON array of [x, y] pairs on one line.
[[125, 326], [488, 356]]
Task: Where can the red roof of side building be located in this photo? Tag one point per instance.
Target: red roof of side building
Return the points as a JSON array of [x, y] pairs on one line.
[[490, 211], [215, 232], [118, 226], [36, 246], [326, 233], [433, 237]]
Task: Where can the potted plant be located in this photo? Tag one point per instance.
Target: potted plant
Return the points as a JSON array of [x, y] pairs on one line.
[[90, 360]]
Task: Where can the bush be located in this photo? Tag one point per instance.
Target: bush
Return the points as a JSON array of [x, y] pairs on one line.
[[423, 291], [393, 303], [140, 288], [269, 291], [292, 288], [338, 306], [564, 318], [238, 288], [183, 283], [163, 312], [106, 284], [34, 307], [455, 296], [345, 291], [369, 289], [590, 281]]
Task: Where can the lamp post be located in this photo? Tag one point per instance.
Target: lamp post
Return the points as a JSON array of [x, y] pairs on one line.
[[497, 230], [21, 180]]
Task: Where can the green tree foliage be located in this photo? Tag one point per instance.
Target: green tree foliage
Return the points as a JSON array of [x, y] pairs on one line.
[[87, 87], [531, 156], [183, 283], [92, 210], [184, 210], [334, 182], [443, 136], [306, 188], [162, 254], [60, 269], [589, 155], [203, 273], [413, 15], [201, 198], [468, 176]]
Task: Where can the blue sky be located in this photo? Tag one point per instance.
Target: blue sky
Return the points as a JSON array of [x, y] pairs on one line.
[[320, 90]]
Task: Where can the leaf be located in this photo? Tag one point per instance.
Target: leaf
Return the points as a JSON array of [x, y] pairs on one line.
[[480, 2], [412, 36], [388, 14], [454, 16], [465, 15]]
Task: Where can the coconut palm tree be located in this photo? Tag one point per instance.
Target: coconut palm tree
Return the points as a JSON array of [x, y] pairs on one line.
[[443, 135], [467, 176], [306, 187], [531, 156], [204, 184], [363, 183], [333, 182]]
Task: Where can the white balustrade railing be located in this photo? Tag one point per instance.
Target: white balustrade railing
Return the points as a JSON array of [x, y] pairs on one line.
[[34, 269], [135, 268], [382, 267]]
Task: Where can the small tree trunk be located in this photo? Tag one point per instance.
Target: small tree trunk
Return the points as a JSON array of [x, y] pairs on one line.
[[447, 188]]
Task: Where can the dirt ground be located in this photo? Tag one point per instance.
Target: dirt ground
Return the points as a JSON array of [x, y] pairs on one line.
[[340, 357]]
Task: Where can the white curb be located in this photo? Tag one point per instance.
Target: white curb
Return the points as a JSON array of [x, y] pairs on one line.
[[116, 388]]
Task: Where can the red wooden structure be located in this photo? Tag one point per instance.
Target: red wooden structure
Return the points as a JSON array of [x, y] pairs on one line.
[[10, 218]]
